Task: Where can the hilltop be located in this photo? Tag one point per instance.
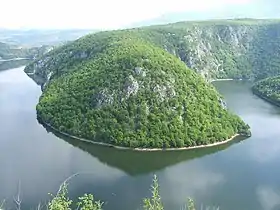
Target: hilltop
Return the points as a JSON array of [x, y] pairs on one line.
[[129, 92]]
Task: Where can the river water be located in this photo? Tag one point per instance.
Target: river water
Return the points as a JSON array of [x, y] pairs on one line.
[[242, 175]]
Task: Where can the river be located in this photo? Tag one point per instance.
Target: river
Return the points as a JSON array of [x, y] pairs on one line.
[[241, 175]]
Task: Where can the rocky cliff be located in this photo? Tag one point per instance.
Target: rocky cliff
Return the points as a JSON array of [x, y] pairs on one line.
[[247, 49]]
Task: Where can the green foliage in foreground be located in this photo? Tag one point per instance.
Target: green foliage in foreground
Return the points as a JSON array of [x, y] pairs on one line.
[[87, 202], [135, 94], [61, 201], [269, 89]]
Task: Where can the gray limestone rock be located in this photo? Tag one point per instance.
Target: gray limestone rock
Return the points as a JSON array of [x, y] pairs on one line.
[[102, 98], [131, 87]]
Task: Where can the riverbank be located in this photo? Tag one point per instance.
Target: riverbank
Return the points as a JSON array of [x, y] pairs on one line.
[[13, 63], [265, 98], [139, 149], [217, 80], [230, 79]]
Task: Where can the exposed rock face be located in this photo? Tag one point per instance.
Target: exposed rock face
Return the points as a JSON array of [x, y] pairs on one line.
[[102, 98], [47, 64], [223, 103], [49, 76], [214, 50], [81, 55], [164, 91], [211, 48], [140, 71], [131, 87]]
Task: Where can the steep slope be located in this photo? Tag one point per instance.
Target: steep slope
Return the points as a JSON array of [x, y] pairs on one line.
[[265, 52], [244, 48], [129, 92], [268, 89]]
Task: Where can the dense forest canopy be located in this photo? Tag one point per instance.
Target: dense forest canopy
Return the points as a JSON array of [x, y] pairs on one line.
[[268, 89], [125, 90]]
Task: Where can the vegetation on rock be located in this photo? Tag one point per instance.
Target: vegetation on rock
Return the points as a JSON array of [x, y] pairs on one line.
[[135, 94]]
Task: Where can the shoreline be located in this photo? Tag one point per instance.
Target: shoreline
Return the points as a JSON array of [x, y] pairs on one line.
[[230, 79], [261, 96], [217, 80], [137, 148]]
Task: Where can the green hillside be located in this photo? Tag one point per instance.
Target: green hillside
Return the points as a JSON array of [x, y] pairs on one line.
[[268, 89], [132, 93], [242, 48]]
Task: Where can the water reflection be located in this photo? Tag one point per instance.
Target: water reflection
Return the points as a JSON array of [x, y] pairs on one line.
[[244, 176], [268, 198], [136, 162]]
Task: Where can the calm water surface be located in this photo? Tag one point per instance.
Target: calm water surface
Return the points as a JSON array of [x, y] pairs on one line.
[[244, 175]]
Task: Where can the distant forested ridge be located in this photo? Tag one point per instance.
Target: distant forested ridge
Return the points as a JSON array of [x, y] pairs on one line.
[[239, 49], [12, 56], [40, 37], [268, 89], [21, 47]]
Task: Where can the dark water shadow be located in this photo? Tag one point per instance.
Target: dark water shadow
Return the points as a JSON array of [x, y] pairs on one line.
[[140, 162]]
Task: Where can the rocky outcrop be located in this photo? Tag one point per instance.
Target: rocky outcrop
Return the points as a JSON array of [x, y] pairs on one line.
[[140, 71], [131, 87], [164, 91], [52, 65], [223, 103], [102, 98], [215, 50]]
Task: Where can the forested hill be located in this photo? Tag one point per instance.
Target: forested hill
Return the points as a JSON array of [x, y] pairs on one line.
[[269, 89], [124, 90], [12, 56], [244, 48]]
